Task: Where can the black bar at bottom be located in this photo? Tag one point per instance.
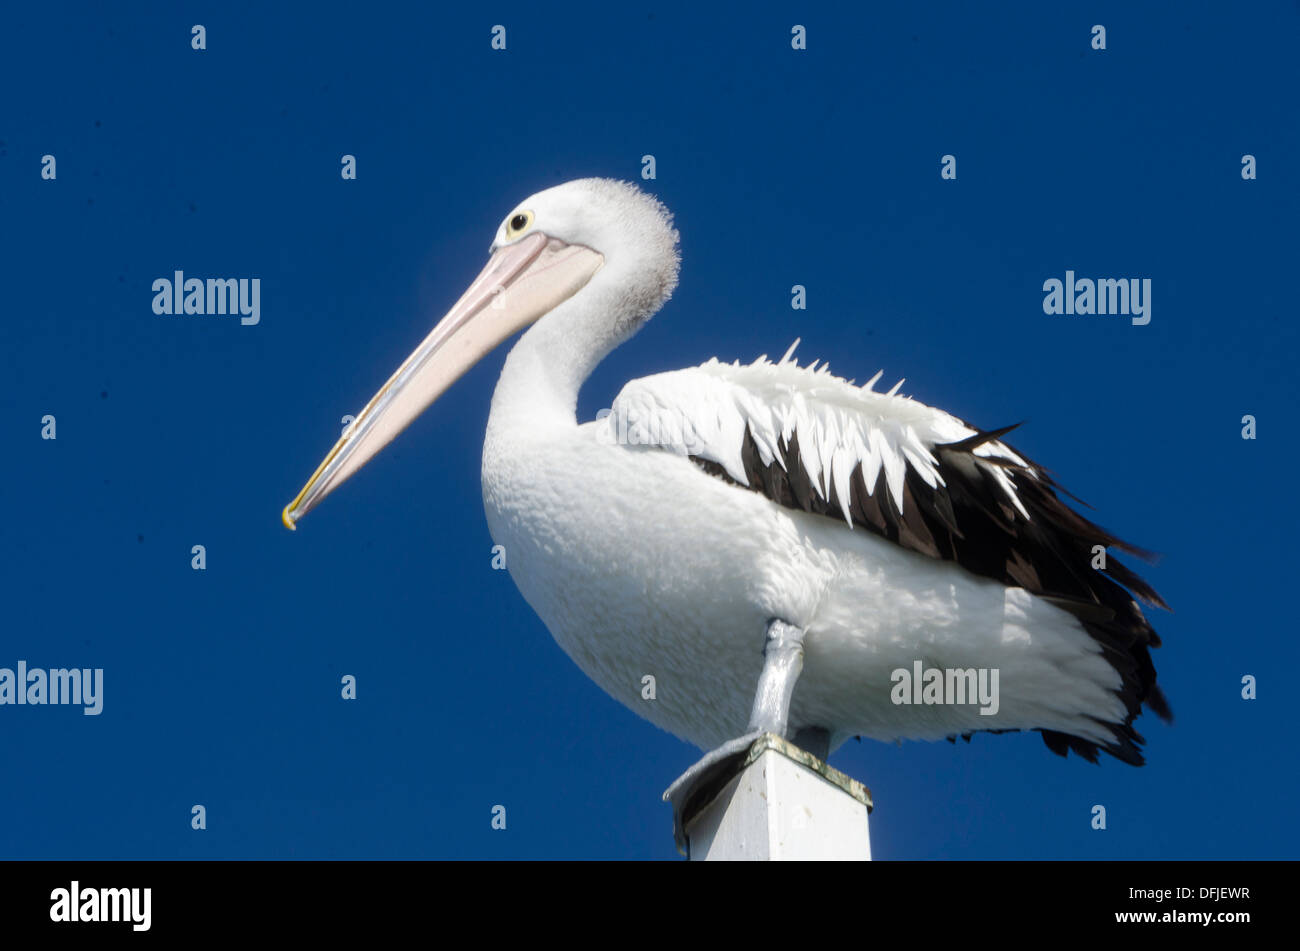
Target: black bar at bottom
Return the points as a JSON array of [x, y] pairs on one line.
[[338, 899]]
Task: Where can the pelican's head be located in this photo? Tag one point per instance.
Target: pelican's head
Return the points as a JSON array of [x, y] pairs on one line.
[[546, 251]]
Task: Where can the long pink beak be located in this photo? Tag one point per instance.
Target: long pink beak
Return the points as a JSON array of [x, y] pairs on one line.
[[521, 282]]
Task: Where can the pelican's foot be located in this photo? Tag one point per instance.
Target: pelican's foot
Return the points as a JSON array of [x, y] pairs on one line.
[[815, 740], [696, 788]]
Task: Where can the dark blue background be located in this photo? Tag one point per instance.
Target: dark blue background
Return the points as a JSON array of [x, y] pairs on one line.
[[818, 167]]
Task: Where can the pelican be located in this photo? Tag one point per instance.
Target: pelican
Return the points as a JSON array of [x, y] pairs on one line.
[[771, 543]]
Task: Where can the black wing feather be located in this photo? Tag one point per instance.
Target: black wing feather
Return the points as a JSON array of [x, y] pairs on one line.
[[968, 520]]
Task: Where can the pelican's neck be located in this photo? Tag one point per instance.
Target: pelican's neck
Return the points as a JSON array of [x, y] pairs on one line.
[[545, 370]]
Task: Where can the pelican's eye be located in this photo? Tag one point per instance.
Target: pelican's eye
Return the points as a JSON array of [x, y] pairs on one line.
[[518, 224]]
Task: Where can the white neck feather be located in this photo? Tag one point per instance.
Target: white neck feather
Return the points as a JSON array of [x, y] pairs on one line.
[[544, 371]]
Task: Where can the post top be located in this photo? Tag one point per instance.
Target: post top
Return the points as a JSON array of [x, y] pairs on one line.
[[699, 786], [777, 744]]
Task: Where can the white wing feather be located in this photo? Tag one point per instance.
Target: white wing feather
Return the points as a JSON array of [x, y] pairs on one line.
[[705, 412]]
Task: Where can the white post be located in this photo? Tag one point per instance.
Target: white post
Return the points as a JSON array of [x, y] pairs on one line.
[[782, 803]]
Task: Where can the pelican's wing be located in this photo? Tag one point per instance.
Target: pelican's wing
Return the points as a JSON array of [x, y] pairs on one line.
[[922, 478]]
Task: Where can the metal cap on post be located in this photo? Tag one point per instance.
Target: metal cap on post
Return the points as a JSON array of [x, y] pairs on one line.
[[775, 801]]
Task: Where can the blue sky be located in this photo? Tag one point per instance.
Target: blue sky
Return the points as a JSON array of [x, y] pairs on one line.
[[818, 167]]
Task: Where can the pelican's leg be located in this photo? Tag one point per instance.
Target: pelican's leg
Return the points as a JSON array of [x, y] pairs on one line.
[[815, 740], [782, 664]]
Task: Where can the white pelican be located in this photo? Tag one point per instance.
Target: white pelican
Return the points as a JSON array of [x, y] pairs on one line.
[[729, 529]]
